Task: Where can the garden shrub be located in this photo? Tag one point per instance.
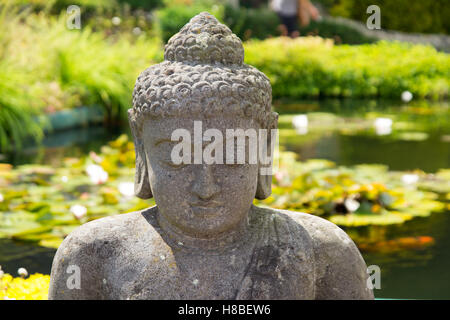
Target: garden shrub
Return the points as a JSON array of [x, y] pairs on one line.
[[172, 18], [56, 6], [89, 5], [402, 15], [314, 67], [247, 23], [17, 110], [340, 33], [46, 67], [257, 23], [145, 5]]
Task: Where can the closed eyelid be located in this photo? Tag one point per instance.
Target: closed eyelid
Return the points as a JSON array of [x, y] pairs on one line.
[[160, 141], [170, 163]]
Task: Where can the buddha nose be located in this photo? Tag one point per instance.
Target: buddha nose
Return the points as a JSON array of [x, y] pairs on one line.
[[204, 185]]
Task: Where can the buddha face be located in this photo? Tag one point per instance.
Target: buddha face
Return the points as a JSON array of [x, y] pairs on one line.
[[200, 199]]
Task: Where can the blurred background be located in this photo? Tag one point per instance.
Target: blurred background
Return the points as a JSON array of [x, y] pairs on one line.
[[364, 123]]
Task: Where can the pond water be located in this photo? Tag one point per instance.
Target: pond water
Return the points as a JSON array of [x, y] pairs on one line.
[[341, 131], [420, 137]]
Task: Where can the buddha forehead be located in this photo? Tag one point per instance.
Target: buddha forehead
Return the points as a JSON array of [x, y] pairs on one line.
[[163, 128]]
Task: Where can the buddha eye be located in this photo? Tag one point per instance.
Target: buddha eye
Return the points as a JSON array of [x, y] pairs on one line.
[[236, 165], [169, 163]]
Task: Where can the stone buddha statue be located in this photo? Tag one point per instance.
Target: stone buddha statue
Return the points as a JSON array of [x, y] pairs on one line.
[[205, 239]]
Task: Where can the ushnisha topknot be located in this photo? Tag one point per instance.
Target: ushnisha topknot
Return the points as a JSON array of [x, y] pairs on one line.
[[203, 73], [205, 40]]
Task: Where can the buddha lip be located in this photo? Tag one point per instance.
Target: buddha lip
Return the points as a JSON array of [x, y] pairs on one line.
[[206, 204], [205, 211]]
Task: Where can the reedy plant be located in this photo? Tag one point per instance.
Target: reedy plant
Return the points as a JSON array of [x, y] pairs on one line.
[[45, 66], [17, 108]]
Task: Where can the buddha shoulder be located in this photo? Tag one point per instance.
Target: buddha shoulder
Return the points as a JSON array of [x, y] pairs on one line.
[[320, 233], [107, 233], [340, 270], [89, 247]]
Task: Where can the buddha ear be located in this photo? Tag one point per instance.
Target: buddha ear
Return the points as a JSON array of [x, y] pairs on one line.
[[264, 186], [267, 143], [141, 180]]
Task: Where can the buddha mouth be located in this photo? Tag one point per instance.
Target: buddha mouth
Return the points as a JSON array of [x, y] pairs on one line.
[[206, 209], [205, 204]]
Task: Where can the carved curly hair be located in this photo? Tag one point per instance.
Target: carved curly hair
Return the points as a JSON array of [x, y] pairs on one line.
[[203, 73]]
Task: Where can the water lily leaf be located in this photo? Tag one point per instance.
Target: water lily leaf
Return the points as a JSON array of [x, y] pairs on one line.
[[412, 136], [32, 231], [51, 243], [357, 220]]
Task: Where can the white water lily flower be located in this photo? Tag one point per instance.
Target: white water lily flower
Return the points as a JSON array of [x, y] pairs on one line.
[[410, 178], [97, 174], [102, 177], [137, 31], [64, 179], [351, 204], [300, 122], [78, 211], [407, 96], [1, 198], [95, 157], [383, 126], [116, 21], [22, 272], [126, 189]]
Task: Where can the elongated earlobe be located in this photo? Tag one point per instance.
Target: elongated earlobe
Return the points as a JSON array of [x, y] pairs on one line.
[[264, 186], [141, 181]]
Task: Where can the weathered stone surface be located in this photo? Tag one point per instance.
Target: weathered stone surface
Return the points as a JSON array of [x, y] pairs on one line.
[[204, 239]]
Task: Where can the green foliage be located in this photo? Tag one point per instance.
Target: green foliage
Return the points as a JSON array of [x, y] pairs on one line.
[[88, 6], [341, 34], [37, 200], [402, 15], [17, 106], [56, 6], [172, 18], [145, 5], [313, 67], [253, 3], [252, 23], [256, 23], [46, 67], [351, 196], [16, 112], [99, 71]]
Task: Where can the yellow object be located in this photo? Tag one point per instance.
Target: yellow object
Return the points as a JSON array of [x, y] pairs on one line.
[[35, 287]]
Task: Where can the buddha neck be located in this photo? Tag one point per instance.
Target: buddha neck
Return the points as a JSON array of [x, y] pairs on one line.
[[220, 242]]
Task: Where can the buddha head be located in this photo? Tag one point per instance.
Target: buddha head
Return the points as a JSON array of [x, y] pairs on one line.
[[204, 88]]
